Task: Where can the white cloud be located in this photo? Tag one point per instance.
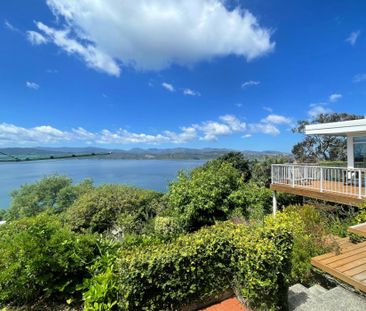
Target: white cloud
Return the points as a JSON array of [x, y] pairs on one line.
[[15, 135], [335, 97], [359, 77], [317, 109], [235, 124], [10, 26], [268, 109], [12, 135], [93, 57], [212, 130], [168, 86], [264, 128], [352, 38], [191, 92], [250, 83], [32, 85], [277, 119], [36, 38], [154, 34]]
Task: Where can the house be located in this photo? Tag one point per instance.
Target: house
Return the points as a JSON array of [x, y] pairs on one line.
[[344, 185]]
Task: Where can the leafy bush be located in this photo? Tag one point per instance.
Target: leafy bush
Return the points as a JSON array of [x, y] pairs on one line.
[[253, 201], [239, 162], [111, 205], [309, 232], [2, 214], [40, 257], [167, 226], [100, 291], [54, 193], [199, 265], [201, 196]]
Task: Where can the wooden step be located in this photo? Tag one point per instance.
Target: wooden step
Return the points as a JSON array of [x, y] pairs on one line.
[[358, 229]]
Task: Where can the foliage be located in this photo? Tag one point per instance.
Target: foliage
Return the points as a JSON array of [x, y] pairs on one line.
[[261, 170], [167, 226], [201, 196], [199, 265], [53, 193], [253, 201], [315, 148], [307, 226], [40, 257], [111, 205], [239, 162], [2, 214], [100, 291]]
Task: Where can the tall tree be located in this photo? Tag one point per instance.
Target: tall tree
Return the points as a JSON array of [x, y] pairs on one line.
[[315, 148]]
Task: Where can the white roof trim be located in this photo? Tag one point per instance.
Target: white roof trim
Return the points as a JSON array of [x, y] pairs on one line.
[[344, 128]]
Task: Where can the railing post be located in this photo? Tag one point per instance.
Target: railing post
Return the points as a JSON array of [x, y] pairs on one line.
[[359, 184], [272, 171], [293, 176], [321, 179]]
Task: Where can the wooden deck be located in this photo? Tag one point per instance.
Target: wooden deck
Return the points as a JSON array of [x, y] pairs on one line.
[[358, 229], [333, 191], [347, 265]]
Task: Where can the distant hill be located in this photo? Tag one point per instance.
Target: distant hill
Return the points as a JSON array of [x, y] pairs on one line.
[[133, 154]]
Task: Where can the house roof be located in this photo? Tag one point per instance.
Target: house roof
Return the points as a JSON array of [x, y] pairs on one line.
[[344, 128]]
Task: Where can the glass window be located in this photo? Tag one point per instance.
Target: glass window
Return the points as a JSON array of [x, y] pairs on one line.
[[361, 139], [360, 151]]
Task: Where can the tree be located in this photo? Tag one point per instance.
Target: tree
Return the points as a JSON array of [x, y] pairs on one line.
[[202, 196], [239, 162], [261, 170], [53, 193], [112, 205], [315, 148]]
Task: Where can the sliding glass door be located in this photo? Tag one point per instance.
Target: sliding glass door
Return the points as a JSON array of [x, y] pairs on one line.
[[360, 151]]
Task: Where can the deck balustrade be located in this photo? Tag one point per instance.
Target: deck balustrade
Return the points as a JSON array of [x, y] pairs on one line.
[[340, 180]]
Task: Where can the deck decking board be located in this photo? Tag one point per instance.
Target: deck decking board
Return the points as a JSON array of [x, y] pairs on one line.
[[358, 229], [349, 265], [348, 198]]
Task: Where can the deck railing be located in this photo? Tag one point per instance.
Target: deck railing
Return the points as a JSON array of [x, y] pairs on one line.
[[347, 181]]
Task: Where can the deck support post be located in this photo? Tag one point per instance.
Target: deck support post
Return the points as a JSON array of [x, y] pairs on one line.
[[274, 197]]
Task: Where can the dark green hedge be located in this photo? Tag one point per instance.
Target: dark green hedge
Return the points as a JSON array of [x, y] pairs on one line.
[[256, 261]]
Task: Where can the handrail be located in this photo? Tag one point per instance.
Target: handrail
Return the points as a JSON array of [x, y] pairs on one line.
[[343, 180], [322, 166]]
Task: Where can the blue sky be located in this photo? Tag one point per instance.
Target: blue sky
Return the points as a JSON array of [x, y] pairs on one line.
[[159, 73]]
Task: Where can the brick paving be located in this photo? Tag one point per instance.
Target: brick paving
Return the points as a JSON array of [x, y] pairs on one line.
[[231, 304]]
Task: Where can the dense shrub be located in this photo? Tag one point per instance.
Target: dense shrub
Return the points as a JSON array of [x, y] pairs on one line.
[[201, 196], [40, 257], [110, 206], [253, 201], [199, 265], [53, 193], [239, 162], [309, 231]]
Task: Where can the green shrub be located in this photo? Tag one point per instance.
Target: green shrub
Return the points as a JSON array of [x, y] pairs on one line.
[[254, 201], [205, 263], [40, 257], [53, 193], [100, 291], [167, 226], [201, 196], [308, 228], [112, 206]]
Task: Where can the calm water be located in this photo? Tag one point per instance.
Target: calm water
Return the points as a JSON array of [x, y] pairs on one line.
[[149, 174]]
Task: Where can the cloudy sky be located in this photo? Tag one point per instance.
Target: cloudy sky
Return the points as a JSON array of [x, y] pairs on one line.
[[168, 73]]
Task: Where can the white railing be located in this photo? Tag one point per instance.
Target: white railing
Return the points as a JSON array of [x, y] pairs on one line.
[[348, 181]]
